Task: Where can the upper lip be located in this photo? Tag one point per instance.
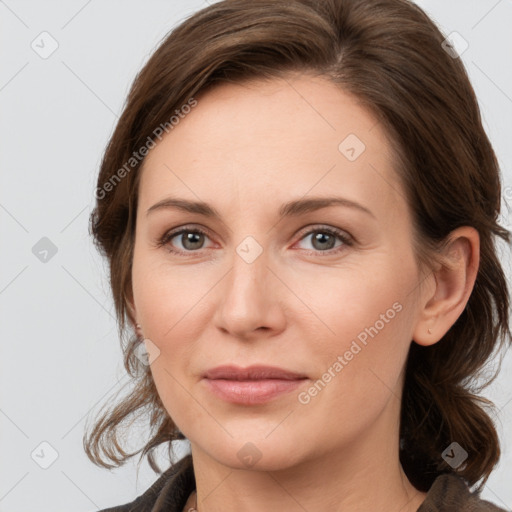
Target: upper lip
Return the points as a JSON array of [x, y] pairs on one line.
[[254, 372]]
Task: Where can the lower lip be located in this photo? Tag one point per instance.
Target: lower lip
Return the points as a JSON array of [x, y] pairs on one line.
[[250, 392]]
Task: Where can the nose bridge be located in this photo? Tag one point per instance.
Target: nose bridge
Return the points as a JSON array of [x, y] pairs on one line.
[[248, 299], [247, 279]]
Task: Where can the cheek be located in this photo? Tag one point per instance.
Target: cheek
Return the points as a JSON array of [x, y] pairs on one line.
[[370, 320], [168, 297], [169, 307], [171, 304], [360, 364], [363, 303]]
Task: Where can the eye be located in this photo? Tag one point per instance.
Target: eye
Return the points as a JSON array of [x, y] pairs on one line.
[[187, 240], [323, 239], [190, 239]]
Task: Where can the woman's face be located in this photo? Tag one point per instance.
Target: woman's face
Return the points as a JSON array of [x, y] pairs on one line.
[[264, 276]]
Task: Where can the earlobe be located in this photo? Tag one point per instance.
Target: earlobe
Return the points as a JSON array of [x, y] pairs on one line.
[[454, 281]]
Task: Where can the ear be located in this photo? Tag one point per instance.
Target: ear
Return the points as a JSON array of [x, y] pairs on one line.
[[454, 279]]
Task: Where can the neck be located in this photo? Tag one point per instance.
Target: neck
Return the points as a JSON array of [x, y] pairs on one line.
[[411, 499]]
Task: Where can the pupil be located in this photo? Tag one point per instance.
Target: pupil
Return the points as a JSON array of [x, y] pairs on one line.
[[321, 237], [192, 238]]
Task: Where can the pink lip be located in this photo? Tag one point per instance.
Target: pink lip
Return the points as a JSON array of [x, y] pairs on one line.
[[252, 385]]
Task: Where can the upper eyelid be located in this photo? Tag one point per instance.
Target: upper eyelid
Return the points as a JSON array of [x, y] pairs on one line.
[[307, 230], [168, 235]]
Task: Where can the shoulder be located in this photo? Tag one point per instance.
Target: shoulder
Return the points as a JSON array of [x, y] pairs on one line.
[[451, 492], [168, 493]]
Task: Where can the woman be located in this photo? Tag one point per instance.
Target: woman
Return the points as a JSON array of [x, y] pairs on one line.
[[299, 208]]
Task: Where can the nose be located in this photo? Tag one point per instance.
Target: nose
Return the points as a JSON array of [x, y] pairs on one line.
[[250, 300]]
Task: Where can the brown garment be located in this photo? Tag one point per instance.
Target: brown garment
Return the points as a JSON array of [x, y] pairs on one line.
[[448, 493]]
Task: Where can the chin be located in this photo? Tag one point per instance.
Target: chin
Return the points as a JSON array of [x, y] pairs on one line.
[[257, 454]]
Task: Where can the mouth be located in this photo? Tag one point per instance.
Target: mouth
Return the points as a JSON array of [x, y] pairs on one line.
[[254, 372], [252, 385]]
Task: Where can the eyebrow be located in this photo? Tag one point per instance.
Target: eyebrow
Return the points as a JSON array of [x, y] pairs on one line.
[[290, 209]]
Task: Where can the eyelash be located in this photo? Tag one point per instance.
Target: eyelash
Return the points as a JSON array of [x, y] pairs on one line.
[[346, 240]]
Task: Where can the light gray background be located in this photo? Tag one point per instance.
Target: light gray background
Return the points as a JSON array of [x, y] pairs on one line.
[[60, 357]]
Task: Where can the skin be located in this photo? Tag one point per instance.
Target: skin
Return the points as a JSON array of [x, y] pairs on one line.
[[246, 149]]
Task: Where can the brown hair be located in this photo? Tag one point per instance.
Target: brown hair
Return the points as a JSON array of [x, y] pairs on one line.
[[389, 54]]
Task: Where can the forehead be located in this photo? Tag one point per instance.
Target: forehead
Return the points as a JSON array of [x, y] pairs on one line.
[[286, 135]]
